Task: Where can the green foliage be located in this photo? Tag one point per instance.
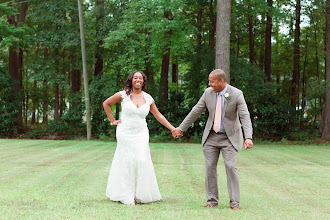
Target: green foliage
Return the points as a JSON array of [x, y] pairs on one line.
[[274, 120], [36, 134], [129, 35], [8, 106], [61, 127], [100, 89], [9, 33]]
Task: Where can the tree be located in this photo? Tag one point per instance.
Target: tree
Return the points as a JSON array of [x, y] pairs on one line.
[[222, 60], [100, 32], [165, 66], [212, 26], [251, 34], [83, 54], [325, 125], [16, 60], [296, 60], [268, 42]]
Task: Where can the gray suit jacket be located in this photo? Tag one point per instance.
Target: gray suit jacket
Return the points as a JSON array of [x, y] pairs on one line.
[[234, 113]]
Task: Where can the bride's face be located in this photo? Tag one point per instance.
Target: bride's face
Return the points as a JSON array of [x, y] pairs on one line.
[[137, 80]]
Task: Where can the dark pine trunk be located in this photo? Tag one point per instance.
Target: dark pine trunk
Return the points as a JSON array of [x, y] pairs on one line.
[[16, 64], [296, 60], [57, 91], [175, 71], [268, 43], [97, 99], [34, 104], [213, 26], [165, 68], [57, 103], [251, 36], [45, 103]]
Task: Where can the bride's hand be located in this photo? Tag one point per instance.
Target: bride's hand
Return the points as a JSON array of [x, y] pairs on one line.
[[116, 122]]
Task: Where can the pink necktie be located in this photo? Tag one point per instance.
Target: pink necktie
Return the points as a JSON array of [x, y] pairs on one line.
[[217, 117]]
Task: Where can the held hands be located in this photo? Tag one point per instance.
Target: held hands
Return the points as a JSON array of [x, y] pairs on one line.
[[177, 133], [116, 122], [248, 144]]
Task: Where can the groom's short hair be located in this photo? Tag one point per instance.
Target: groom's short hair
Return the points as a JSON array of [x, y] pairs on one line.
[[220, 74]]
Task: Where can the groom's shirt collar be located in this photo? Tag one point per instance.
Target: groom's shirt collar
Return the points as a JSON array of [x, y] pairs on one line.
[[223, 91]]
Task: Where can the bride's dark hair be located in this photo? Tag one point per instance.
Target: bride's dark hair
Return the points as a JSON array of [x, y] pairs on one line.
[[128, 83]]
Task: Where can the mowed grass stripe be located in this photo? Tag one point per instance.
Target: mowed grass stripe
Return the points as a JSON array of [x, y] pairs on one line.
[[290, 185], [55, 184], [67, 179], [44, 160]]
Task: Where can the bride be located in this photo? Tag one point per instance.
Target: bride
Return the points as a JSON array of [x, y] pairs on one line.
[[132, 177]]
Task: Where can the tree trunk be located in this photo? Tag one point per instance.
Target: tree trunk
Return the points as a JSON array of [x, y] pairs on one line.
[[45, 103], [296, 60], [251, 36], [98, 47], [97, 117], [62, 97], [26, 99], [165, 68], [34, 105], [238, 39], [175, 73], [164, 79], [16, 63], [45, 94], [57, 103], [84, 64], [222, 59], [148, 71], [76, 81], [175, 70], [303, 92], [57, 95], [62, 102], [213, 26], [325, 124], [317, 58], [268, 42], [198, 49]]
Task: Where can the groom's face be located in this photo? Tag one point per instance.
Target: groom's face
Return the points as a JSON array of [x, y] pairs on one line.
[[216, 83]]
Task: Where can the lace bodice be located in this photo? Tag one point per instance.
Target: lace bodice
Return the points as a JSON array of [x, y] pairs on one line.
[[132, 116]]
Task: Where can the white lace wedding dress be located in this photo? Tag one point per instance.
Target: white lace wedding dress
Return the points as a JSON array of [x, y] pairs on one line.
[[132, 176]]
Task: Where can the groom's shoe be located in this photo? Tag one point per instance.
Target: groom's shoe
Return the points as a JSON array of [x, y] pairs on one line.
[[209, 206], [235, 208]]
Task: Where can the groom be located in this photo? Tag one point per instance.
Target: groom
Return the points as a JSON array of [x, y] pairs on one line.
[[228, 113]]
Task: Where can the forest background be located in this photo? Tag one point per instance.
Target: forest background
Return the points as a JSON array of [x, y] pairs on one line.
[[278, 58]]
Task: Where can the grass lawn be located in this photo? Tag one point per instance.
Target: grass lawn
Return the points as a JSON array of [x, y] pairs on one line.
[[44, 179]]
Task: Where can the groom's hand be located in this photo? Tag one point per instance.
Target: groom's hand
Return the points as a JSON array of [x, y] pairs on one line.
[[177, 133], [248, 143]]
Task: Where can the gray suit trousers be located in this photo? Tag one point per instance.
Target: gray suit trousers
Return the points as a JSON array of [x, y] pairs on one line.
[[214, 144]]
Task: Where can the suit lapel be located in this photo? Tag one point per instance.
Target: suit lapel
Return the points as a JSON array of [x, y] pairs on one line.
[[225, 102], [212, 101]]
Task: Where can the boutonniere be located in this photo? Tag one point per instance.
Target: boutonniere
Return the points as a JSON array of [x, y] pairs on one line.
[[227, 96]]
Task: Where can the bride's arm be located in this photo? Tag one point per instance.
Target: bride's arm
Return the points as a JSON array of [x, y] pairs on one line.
[[106, 105], [160, 117]]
